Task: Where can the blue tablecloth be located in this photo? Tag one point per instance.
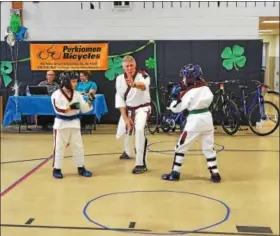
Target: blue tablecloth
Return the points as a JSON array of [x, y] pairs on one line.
[[41, 105]]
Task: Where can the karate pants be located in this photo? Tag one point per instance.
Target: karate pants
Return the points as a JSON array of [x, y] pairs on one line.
[[61, 138], [206, 139], [127, 144], [141, 141]]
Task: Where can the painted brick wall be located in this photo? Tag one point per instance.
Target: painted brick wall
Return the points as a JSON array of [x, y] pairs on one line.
[[149, 20]]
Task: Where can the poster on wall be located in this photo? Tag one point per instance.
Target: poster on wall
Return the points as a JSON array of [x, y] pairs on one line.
[[92, 56]]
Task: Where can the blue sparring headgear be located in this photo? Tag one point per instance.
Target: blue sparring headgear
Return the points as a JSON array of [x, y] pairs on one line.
[[191, 72], [66, 77]]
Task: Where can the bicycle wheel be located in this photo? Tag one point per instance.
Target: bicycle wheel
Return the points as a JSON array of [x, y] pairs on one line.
[[273, 97], [153, 120], [166, 123], [267, 123], [231, 117]]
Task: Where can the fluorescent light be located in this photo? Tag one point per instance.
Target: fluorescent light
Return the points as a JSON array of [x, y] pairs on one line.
[[266, 30], [271, 21]]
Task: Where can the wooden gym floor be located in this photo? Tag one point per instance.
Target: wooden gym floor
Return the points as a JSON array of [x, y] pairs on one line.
[[115, 202]]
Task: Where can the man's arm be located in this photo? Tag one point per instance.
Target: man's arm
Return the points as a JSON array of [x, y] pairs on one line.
[[120, 104], [123, 113], [42, 83], [139, 85], [144, 83], [56, 85], [93, 88]]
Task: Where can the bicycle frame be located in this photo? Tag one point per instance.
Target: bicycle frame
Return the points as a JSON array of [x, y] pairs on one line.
[[178, 117], [258, 98], [221, 96]]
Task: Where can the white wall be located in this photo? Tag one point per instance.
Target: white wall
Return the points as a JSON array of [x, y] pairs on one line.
[[185, 20], [277, 61], [271, 39], [272, 70]]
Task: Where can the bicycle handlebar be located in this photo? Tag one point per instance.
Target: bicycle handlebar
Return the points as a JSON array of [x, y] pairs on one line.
[[258, 83], [224, 82]]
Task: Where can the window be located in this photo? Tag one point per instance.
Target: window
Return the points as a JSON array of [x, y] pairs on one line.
[[121, 4]]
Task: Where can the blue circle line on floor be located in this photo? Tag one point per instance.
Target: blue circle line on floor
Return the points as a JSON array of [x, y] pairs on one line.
[[225, 218]]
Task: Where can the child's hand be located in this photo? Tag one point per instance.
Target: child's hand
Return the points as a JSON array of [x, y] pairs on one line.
[[89, 102], [75, 106], [68, 110]]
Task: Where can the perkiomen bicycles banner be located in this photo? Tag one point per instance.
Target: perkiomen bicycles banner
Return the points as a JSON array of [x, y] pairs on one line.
[[92, 56]]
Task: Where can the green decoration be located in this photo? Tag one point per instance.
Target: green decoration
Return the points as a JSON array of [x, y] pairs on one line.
[[21, 60], [6, 69], [115, 62], [15, 23], [233, 57], [115, 68], [150, 63], [156, 78]]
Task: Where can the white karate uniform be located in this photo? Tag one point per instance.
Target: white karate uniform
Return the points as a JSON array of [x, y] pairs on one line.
[[68, 131], [134, 98], [198, 126]]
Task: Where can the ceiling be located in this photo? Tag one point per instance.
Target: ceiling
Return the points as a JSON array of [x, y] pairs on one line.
[[269, 25]]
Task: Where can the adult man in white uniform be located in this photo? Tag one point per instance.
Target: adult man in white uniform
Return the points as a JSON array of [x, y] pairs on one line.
[[133, 100], [196, 98], [68, 105]]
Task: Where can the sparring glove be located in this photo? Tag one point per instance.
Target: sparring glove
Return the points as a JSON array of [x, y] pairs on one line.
[[75, 106]]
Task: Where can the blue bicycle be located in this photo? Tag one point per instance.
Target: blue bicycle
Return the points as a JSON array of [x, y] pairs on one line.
[[259, 114], [170, 120]]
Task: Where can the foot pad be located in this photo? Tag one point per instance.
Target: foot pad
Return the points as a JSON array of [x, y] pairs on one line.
[[173, 176]]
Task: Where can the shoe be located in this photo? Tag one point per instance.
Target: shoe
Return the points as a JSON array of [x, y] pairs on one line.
[[57, 174], [83, 172], [215, 177], [173, 176], [124, 156], [139, 169]]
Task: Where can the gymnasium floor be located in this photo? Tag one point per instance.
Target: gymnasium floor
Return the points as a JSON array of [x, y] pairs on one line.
[[115, 202]]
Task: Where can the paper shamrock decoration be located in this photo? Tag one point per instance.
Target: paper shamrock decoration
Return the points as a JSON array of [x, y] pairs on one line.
[[150, 63], [233, 57], [15, 23], [6, 69], [115, 68]]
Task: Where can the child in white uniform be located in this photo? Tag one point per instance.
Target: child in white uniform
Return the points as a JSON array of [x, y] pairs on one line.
[[68, 105], [196, 98]]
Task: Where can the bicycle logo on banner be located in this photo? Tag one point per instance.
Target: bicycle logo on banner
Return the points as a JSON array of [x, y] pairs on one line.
[[49, 53]]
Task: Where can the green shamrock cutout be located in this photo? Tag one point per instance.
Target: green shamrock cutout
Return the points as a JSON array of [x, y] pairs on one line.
[[233, 58], [6, 69], [150, 63], [15, 23], [114, 68]]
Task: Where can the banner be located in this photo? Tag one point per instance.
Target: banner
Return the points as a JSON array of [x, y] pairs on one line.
[[69, 56]]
